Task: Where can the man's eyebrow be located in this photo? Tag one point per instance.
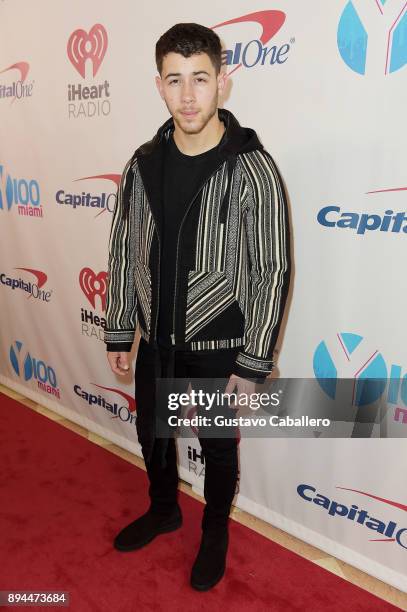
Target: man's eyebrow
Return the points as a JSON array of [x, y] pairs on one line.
[[171, 74]]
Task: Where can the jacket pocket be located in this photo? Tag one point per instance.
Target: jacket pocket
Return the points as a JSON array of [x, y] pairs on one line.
[[143, 290], [209, 295], [214, 259]]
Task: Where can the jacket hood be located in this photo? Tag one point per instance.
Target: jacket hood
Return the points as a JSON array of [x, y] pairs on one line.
[[237, 139]]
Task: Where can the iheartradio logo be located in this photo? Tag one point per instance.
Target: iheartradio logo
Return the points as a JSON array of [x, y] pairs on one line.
[[86, 101], [93, 284], [82, 46]]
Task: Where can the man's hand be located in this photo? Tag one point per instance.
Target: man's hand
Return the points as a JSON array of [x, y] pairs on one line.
[[119, 362], [243, 385]]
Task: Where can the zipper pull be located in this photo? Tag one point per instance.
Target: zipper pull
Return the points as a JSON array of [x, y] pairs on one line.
[[173, 338]]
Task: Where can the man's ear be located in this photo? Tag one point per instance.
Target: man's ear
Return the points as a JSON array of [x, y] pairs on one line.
[[158, 82], [222, 80]]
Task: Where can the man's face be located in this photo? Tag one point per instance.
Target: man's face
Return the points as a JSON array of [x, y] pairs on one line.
[[190, 88]]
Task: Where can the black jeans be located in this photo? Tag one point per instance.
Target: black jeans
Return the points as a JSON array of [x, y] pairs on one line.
[[220, 454]]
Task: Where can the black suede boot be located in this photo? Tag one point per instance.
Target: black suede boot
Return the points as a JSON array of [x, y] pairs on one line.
[[164, 513], [221, 471], [210, 563], [144, 529]]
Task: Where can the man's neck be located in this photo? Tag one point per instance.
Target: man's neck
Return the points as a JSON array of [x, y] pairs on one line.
[[194, 144]]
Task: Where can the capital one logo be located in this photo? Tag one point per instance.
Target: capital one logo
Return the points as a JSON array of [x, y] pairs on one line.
[[256, 51], [19, 88], [33, 289], [349, 355], [380, 531], [39, 275], [372, 36], [124, 412], [393, 223], [93, 285], [83, 46], [106, 201]]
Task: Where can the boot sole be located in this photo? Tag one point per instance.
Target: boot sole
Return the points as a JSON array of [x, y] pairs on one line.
[[167, 529]]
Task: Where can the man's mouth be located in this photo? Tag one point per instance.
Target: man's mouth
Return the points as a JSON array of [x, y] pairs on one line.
[[189, 113]]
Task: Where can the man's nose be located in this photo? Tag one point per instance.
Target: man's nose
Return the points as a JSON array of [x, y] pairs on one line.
[[187, 91]]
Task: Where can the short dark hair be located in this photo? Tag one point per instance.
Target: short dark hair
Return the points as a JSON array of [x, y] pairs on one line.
[[187, 39]]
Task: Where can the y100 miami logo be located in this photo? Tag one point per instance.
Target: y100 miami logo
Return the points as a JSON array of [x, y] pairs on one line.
[[85, 199], [389, 530], [372, 36], [349, 356], [28, 368], [124, 412], [94, 287], [256, 51], [33, 290], [18, 88], [390, 222], [88, 49], [23, 193]]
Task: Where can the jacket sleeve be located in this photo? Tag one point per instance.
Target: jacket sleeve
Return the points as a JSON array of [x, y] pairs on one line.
[[267, 233], [121, 301]]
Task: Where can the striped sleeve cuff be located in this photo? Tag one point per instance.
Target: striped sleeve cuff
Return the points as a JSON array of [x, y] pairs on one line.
[[119, 340], [252, 367]]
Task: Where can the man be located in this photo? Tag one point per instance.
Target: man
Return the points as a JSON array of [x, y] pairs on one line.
[[199, 257]]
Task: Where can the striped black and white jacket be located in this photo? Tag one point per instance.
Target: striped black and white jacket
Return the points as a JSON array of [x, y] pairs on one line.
[[233, 256]]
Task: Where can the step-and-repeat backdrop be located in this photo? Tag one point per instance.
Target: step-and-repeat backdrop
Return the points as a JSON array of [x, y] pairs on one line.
[[324, 85]]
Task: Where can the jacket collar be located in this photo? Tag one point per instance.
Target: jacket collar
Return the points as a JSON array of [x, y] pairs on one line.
[[237, 139], [150, 156]]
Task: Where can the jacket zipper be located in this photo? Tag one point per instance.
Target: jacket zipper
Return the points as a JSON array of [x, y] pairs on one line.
[[176, 255], [158, 295], [155, 323]]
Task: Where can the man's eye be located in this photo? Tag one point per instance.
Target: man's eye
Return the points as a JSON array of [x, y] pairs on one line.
[[200, 79], [174, 81]]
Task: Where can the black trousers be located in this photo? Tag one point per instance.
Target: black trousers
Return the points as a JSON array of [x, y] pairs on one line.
[[220, 454]]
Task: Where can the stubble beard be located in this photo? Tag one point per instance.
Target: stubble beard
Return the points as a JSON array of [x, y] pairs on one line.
[[198, 124]]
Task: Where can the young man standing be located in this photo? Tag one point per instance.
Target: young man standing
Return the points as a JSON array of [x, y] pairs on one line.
[[199, 257]]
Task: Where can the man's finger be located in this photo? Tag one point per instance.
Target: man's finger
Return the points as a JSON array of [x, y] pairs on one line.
[[231, 384]]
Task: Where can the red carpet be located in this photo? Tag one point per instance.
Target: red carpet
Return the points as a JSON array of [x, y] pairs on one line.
[[63, 501]]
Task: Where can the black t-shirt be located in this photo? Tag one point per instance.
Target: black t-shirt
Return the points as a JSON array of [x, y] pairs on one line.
[[182, 177]]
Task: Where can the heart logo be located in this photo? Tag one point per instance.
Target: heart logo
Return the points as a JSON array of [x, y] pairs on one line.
[[94, 284], [82, 46]]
